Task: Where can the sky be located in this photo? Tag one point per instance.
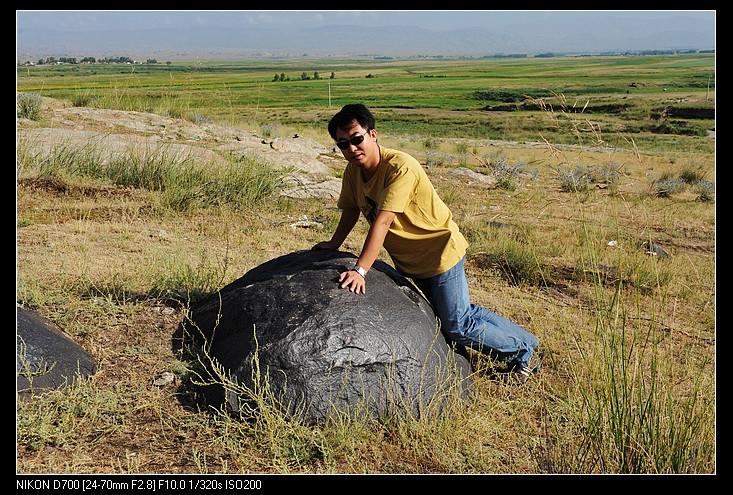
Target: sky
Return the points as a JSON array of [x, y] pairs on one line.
[[84, 20]]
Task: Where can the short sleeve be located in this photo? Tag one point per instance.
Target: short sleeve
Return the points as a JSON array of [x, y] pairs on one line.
[[399, 189]]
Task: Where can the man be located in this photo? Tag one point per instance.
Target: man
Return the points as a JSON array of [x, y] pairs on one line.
[[408, 218]]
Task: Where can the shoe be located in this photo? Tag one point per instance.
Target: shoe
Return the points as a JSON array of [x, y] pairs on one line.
[[520, 375], [538, 365]]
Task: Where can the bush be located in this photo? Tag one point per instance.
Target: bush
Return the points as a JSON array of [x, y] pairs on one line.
[[606, 173], [575, 180], [82, 99], [667, 186], [437, 159], [430, 143], [704, 189], [270, 130], [29, 105]]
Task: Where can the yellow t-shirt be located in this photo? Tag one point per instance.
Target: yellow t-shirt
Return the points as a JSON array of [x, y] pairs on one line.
[[423, 241]]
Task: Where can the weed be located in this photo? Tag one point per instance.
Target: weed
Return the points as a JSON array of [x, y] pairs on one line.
[[438, 159], [576, 179], [29, 105], [430, 143], [270, 130], [667, 186], [507, 176], [83, 99], [705, 190]]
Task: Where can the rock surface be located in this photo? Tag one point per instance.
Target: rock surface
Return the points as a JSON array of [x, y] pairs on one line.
[[46, 357], [324, 350]]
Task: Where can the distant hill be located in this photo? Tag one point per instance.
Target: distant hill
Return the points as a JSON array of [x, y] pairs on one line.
[[591, 36]]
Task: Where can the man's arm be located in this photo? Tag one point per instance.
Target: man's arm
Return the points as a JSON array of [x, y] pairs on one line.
[[346, 224], [369, 253]]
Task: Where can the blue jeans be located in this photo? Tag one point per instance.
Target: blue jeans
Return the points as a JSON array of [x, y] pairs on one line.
[[474, 326]]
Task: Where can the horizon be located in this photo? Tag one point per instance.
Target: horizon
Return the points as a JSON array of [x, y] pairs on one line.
[[245, 33]]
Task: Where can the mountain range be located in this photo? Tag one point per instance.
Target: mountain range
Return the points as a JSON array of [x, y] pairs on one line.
[[593, 35]]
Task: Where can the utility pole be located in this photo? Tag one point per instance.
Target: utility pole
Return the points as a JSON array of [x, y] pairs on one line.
[[706, 92]]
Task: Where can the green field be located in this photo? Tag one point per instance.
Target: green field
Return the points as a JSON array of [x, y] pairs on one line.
[[662, 103]]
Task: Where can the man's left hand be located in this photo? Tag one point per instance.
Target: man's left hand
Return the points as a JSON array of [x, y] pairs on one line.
[[353, 281]]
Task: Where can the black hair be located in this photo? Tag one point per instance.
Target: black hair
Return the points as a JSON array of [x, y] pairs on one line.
[[347, 115]]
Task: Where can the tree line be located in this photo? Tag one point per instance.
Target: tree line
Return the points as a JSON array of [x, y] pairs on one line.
[[91, 60], [303, 77]]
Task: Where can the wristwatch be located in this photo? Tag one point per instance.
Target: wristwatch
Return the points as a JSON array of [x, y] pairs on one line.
[[359, 270]]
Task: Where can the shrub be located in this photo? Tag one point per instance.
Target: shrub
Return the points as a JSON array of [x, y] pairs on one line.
[[199, 119], [29, 105], [430, 143], [507, 175], [82, 99], [667, 186], [461, 147], [270, 130], [437, 159], [577, 179], [704, 189], [505, 178], [688, 174], [606, 173]]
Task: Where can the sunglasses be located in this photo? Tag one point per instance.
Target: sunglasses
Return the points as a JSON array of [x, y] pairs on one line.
[[356, 141]]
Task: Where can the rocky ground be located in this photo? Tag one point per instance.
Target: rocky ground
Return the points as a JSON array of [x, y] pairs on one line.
[[116, 131]]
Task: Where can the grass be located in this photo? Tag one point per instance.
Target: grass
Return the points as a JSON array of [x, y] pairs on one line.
[[115, 250], [459, 98]]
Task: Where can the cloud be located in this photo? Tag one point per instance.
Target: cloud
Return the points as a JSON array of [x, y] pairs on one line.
[[440, 20], [266, 18]]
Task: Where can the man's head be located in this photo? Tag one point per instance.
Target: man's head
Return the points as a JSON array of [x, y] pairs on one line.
[[347, 115], [353, 130]]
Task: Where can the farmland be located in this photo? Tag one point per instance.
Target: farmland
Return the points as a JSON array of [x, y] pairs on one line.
[[484, 99]]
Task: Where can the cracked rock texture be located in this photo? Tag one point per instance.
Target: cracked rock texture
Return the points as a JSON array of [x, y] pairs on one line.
[[322, 350]]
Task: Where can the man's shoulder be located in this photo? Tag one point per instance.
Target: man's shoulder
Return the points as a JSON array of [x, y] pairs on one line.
[[398, 157]]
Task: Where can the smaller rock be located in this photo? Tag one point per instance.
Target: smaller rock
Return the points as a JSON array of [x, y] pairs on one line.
[[165, 378], [46, 357], [469, 174], [501, 225], [654, 249]]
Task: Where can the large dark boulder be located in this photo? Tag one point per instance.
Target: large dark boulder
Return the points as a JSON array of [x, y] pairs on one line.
[[46, 357], [321, 350]]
